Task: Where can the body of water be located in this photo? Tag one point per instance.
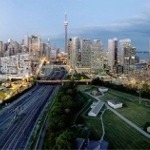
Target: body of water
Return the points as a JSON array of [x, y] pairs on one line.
[[143, 56]]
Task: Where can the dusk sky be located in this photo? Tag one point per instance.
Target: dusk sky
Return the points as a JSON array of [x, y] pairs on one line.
[[92, 19]]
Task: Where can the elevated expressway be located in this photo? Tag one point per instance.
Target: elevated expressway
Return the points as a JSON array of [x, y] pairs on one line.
[[64, 81]]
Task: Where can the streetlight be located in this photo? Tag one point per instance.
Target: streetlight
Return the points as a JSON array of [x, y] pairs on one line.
[[139, 91]]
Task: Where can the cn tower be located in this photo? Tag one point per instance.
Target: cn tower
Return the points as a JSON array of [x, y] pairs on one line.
[[66, 24]]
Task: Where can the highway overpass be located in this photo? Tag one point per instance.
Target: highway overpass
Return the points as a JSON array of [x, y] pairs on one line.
[[87, 81]]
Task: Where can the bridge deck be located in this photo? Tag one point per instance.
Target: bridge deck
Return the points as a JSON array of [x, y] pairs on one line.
[[63, 81]]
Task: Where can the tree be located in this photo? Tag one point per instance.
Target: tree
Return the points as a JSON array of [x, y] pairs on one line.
[[145, 87], [65, 140], [56, 124], [69, 92], [97, 81], [2, 95], [56, 110]]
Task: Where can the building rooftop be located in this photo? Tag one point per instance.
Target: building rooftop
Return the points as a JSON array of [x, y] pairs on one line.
[[102, 87], [91, 145], [114, 102], [79, 143], [98, 145], [97, 108]]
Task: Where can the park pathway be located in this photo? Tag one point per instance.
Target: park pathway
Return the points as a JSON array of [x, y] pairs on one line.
[[123, 118], [102, 123], [128, 122]]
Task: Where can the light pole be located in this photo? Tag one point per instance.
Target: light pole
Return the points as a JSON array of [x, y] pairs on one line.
[[139, 96]]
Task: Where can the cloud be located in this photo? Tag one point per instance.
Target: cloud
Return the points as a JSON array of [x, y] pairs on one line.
[[137, 28]]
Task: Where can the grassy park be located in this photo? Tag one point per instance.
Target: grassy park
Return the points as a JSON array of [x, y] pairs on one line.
[[118, 133], [95, 127], [122, 136], [135, 112]]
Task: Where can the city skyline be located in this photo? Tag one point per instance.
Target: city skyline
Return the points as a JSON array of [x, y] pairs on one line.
[[96, 19]]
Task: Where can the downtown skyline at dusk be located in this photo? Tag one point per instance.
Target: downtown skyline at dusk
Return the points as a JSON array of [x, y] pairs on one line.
[[96, 19], [75, 74]]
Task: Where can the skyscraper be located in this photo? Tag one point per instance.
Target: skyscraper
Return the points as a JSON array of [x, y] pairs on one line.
[[97, 56], [121, 49], [66, 24], [85, 53], [73, 51], [112, 52], [126, 54], [49, 48], [35, 45], [1, 48]]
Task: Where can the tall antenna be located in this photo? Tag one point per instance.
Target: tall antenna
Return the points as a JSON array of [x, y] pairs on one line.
[[66, 24]]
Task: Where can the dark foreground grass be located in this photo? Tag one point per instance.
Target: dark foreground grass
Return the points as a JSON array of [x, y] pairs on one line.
[[118, 133], [122, 136], [95, 127]]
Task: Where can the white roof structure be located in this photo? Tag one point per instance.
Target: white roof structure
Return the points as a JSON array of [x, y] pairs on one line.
[[103, 89], [148, 129], [96, 109], [115, 104], [93, 105]]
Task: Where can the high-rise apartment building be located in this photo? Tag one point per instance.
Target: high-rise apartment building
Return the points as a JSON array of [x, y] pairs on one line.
[[85, 53], [45, 49], [85, 56], [14, 47], [126, 54], [35, 45], [1, 48], [112, 52], [121, 49], [73, 52], [18, 65], [26, 41], [11, 48], [97, 56]]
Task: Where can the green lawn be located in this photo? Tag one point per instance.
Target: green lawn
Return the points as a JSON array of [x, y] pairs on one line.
[[135, 112], [122, 136], [89, 101], [87, 87], [119, 134], [77, 77], [94, 125]]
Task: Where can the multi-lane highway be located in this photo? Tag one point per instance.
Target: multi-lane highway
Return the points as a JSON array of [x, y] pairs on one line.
[[19, 118]]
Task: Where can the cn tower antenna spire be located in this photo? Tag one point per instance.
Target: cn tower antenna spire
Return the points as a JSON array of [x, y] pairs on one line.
[[65, 15], [66, 24]]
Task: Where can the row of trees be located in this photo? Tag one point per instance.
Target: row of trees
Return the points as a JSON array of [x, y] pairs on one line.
[[59, 135], [144, 89], [77, 76]]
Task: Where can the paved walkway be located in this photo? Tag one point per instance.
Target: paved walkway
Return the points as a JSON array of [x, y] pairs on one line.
[[123, 118], [103, 128], [128, 122]]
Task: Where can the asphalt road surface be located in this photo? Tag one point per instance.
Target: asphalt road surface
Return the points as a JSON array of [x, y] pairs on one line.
[[18, 119]]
